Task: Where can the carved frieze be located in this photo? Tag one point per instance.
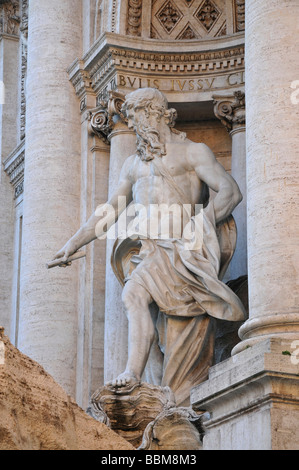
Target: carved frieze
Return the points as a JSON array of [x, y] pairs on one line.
[[10, 17], [109, 66]]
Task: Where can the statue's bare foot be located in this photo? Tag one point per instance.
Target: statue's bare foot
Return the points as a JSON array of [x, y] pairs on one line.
[[125, 379]]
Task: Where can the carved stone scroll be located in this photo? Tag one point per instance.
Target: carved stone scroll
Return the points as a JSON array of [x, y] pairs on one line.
[[230, 109], [101, 119]]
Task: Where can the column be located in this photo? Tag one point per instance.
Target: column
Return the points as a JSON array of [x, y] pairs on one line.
[[91, 319], [9, 82], [49, 298], [109, 124], [272, 171], [231, 111], [123, 144]]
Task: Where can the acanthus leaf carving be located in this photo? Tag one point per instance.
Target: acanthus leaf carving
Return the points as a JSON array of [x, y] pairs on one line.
[[101, 118], [231, 110]]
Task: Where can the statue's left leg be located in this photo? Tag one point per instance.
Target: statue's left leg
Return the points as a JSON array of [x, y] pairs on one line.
[[141, 333]]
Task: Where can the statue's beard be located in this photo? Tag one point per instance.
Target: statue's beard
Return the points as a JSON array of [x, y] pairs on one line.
[[148, 143]]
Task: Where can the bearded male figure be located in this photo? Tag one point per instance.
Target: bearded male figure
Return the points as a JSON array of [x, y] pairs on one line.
[[173, 342]]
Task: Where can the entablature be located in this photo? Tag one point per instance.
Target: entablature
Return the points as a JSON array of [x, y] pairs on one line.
[[191, 72], [14, 167]]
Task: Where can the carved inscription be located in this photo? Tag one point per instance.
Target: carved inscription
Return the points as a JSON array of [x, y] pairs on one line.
[[182, 85]]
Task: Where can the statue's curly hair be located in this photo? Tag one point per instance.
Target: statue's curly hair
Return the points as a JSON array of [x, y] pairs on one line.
[[152, 101]]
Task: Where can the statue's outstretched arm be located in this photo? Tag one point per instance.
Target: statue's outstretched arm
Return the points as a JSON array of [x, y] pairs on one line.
[[100, 222]]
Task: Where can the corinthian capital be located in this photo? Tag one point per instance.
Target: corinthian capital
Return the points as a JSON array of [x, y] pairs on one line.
[[104, 118], [230, 109]]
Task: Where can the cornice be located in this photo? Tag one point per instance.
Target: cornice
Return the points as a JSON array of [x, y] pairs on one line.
[[114, 54], [107, 40], [14, 167]]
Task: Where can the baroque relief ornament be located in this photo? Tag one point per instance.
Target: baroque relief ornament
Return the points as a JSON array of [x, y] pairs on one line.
[[134, 17], [9, 17], [169, 15], [208, 14]]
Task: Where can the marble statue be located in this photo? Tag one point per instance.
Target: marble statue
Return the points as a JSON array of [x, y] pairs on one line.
[[172, 287]]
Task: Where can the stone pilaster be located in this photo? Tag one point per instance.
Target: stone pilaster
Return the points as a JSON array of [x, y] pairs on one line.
[[108, 123], [252, 397], [230, 110], [273, 172], [9, 60], [49, 299]]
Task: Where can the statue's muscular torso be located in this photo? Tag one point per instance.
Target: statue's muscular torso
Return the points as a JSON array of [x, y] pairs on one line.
[[150, 187]]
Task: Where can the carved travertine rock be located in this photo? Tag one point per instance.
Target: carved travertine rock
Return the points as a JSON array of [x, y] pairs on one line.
[[147, 417], [174, 429], [129, 410]]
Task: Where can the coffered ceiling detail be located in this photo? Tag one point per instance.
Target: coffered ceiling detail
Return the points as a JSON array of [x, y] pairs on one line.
[[188, 19]]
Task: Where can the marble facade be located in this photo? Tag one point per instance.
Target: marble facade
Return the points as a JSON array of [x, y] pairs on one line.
[[62, 144]]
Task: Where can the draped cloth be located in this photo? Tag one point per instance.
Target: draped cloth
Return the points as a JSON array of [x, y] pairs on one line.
[[185, 283], [187, 288]]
